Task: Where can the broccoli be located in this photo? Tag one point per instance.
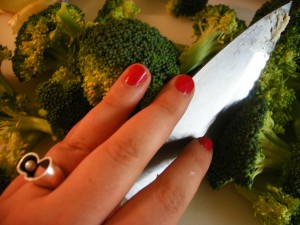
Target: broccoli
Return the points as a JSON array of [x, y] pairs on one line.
[[239, 155], [185, 8], [43, 41], [62, 100], [271, 206], [214, 27], [290, 177], [296, 120], [102, 52], [19, 131], [117, 9], [248, 146]]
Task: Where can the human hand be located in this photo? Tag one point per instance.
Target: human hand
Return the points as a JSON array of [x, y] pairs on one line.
[[104, 154]]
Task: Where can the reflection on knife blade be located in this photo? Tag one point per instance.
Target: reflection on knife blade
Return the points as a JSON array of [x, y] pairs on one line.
[[222, 82]]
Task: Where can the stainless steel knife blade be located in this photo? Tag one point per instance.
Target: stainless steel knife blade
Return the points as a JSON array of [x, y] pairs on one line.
[[230, 75], [223, 81]]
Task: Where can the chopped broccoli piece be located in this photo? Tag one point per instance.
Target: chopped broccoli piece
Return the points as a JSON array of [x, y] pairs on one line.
[[238, 154], [43, 40], [185, 8], [63, 100], [117, 9], [103, 51], [214, 27], [271, 206], [247, 147], [19, 130]]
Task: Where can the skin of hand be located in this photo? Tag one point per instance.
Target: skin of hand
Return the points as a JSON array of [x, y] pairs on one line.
[[104, 154]]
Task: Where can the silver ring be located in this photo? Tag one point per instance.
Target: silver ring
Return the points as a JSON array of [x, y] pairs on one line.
[[42, 172]]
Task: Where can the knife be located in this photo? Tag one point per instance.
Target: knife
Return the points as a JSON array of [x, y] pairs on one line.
[[221, 83]]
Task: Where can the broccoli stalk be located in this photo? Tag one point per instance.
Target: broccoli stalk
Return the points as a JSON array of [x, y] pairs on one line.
[[19, 130], [271, 206], [251, 146], [43, 41], [69, 25], [16, 121], [296, 120], [250, 143], [214, 27]]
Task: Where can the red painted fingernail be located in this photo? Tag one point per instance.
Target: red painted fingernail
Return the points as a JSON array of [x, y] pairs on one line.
[[206, 142], [136, 75], [184, 84]]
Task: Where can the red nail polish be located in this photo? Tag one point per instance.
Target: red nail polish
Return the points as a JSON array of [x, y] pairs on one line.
[[206, 142], [136, 75], [184, 84]]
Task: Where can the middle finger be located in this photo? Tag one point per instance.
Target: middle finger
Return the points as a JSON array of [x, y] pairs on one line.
[[104, 177]]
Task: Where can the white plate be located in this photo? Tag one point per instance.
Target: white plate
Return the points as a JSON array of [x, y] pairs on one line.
[[208, 207]]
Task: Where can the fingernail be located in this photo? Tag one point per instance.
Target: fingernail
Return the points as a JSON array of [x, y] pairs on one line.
[[184, 84], [136, 75], [206, 142]]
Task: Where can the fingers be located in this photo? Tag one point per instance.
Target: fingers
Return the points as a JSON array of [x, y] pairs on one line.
[[166, 199], [103, 120], [107, 173]]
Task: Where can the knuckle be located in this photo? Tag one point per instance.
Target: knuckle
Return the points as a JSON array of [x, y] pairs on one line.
[[111, 101], [124, 151], [167, 109], [170, 197]]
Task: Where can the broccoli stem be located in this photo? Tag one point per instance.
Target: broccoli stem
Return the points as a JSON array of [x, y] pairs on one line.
[[296, 120], [28, 123], [32, 138], [5, 86], [197, 53], [56, 56], [276, 152], [70, 24]]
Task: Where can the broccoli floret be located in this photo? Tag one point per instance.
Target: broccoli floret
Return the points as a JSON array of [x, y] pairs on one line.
[[271, 206], [19, 131], [43, 40], [117, 9], [103, 51], [248, 146], [185, 8], [238, 154], [214, 27], [63, 101]]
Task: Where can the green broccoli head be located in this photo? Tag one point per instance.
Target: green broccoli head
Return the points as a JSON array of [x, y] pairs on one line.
[[248, 146], [185, 8], [272, 205], [43, 40], [62, 100], [117, 9], [214, 26], [103, 51]]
